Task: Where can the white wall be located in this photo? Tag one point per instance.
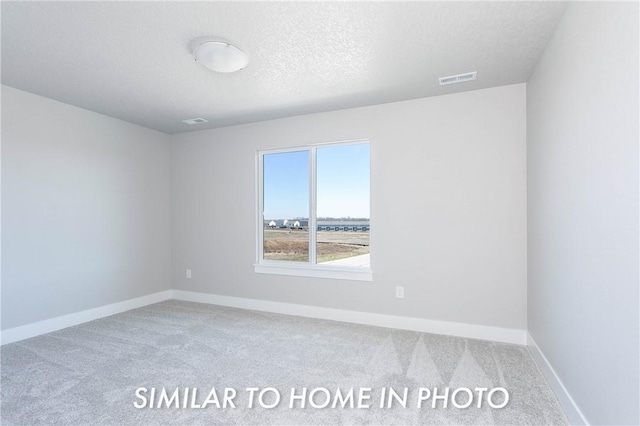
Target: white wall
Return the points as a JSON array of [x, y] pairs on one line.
[[451, 168], [85, 218], [582, 137]]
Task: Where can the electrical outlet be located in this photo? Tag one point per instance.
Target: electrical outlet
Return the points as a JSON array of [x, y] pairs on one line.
[[399, 292], [189, 273]]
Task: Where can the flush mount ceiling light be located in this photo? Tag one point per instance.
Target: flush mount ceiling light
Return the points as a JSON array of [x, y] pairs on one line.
[[220, 57]]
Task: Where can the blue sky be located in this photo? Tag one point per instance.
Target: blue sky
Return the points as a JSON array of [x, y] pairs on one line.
[[342, 184], [286, 185]]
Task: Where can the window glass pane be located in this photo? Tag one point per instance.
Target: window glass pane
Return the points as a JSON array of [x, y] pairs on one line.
[[286, 206], [343, 205]]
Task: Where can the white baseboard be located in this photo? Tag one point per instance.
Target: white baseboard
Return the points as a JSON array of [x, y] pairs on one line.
[[497, 334], [47, 326], [570, 407]]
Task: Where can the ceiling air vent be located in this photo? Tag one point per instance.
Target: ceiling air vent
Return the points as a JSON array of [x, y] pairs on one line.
[[460, 78], [193, 121]]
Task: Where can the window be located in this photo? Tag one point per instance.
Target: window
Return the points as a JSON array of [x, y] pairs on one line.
[[313, 211]]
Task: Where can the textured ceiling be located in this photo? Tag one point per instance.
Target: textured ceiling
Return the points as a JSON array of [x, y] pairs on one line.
[[132, 60]]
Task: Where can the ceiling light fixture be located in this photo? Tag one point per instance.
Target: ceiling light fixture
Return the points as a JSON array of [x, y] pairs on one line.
[[220, 57]]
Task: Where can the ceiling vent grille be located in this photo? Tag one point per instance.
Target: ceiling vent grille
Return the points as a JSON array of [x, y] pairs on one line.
[[460, 78], [193, 121]]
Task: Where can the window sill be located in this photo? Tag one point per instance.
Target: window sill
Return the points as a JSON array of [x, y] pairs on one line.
[[315, 271]]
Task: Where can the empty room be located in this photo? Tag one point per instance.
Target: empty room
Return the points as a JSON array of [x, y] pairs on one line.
[[375, 212]]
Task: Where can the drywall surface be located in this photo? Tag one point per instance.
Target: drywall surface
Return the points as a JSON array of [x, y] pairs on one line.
[[448, 208], [582, 137], [85, 218]]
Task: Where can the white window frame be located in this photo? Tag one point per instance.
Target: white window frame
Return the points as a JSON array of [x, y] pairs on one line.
[[309, 269]]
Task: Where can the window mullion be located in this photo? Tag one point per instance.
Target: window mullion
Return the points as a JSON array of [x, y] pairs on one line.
[[312, 206]]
